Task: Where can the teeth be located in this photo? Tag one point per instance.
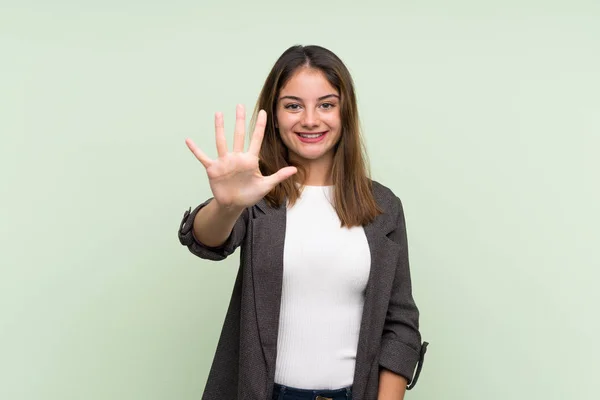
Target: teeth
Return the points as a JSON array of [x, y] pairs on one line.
[[313, 136]]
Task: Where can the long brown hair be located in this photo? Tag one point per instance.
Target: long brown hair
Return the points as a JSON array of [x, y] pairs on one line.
[[353, 197]]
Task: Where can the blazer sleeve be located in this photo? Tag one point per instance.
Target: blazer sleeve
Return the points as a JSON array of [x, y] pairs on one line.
[[187, 237], [401, 348]]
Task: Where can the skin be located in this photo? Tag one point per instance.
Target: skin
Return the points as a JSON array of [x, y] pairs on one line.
[[309, 104], [391, 386]]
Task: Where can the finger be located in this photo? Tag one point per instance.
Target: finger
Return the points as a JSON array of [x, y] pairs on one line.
[[220, 135], [240, 130], [280, 176], [200, 155], [259, 133]]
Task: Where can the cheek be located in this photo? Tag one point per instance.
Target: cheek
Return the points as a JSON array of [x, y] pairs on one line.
[[333, 116], [333, 120], [284, 128], [286, 123], [277, 120]]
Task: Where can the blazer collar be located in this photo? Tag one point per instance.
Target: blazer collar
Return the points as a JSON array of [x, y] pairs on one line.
[[263, 206], [383, 224]]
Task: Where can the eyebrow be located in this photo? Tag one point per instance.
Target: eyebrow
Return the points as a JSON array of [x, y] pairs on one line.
[[319, 99]]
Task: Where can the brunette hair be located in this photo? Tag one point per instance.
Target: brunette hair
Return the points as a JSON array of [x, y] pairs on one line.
[[353, 197]]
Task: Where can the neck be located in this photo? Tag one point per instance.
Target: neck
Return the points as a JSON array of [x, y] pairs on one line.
[[318, 172]]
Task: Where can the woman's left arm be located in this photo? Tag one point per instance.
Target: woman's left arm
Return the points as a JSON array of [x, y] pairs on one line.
[[401, 348], [391, 386]]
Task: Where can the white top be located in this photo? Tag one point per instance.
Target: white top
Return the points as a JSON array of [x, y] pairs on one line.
[[325, 273]]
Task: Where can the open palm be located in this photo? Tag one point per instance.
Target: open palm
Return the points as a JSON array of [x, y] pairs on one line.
[[234, 177]]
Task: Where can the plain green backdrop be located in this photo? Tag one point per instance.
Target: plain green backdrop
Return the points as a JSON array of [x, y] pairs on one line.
[[484, 118]]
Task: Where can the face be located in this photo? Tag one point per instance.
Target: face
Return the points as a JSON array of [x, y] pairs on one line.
[[308, 117]]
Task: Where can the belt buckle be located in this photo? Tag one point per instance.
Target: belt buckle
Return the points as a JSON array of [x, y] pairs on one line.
[[323, 398]]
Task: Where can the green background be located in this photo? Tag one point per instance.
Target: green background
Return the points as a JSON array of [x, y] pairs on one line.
[[483, 117]]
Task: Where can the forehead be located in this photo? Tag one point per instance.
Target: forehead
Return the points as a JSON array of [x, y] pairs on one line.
[[308, 83]]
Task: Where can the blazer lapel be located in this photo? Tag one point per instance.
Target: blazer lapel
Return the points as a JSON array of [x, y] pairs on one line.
[[384, 258], [268, 238]]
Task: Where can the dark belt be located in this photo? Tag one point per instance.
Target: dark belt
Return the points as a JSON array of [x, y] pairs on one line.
[[281, 392]]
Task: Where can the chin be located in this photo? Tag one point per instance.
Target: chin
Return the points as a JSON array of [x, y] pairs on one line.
[[311, 156]]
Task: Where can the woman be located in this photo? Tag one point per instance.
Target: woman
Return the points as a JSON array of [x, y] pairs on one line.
[[322, 305]]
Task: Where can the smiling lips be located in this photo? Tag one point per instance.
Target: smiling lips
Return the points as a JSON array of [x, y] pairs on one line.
[[311, 137]]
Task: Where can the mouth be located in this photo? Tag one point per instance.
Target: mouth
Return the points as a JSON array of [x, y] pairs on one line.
[[311, 137]]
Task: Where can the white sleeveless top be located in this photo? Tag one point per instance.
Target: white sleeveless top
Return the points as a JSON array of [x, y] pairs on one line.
[[325, 273]]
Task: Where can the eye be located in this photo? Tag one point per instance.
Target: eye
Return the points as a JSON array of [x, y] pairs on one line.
[[327, 106], [292, 106]]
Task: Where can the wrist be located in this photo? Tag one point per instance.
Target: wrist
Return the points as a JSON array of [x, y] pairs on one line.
[[226, 210]]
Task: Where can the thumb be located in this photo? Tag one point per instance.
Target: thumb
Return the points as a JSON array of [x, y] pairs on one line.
[[280, 176]]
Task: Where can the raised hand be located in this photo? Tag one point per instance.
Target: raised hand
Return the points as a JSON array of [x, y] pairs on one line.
[[234, 177]]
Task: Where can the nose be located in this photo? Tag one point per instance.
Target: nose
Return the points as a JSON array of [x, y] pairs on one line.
[[310, 119]]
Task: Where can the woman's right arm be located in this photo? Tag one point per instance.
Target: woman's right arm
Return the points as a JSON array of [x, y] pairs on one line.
[[218, 226], [213, 224], [213, 249]]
